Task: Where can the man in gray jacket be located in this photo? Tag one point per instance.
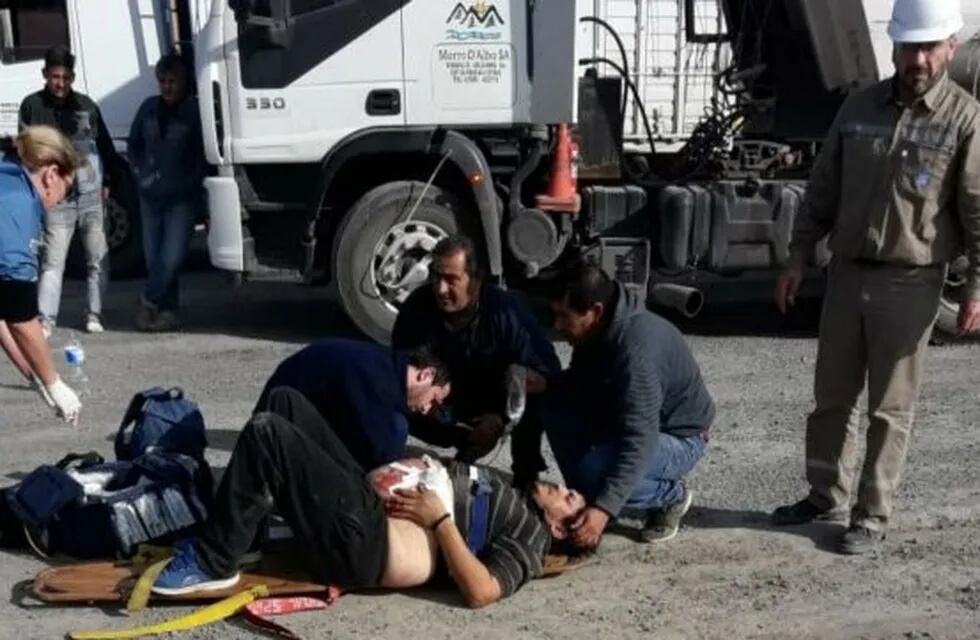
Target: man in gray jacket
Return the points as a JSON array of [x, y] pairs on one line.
[[630, 416]]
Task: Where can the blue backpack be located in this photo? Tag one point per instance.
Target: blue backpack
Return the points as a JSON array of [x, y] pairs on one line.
[[87, 508], [161, 420], [160, 486]]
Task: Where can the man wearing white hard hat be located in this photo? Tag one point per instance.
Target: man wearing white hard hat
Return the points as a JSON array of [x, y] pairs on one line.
[[897, 190]]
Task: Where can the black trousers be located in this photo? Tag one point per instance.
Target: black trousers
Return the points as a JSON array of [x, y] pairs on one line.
[[288, 457]]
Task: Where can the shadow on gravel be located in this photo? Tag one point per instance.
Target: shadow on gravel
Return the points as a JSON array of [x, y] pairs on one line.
[[760, 319], [222, 439], [824, 535], [259, 313], [439, 592], [16, 386], [264, 311], [22, 596]]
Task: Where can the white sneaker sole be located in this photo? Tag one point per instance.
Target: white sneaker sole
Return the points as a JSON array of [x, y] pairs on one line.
[[211, 585], [685, 507]]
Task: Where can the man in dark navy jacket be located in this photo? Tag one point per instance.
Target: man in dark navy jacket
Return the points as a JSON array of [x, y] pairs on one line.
[[364, 392], [479, 331]]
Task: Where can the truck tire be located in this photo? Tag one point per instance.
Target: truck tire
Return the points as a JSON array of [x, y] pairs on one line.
[[124, 234], [380, 255], [949, 303]]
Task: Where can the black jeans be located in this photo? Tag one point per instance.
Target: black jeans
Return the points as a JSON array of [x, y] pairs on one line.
[[287, 456]]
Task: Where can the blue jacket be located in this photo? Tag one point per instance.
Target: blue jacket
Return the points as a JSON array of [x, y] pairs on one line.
[[21, 222], [169, 165], [502, 332], [634, 380], [360, 390]]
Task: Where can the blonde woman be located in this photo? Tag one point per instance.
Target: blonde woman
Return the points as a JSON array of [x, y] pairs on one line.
[[33, 179]]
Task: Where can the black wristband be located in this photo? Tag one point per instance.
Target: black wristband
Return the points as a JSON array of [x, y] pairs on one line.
[[442, 518]]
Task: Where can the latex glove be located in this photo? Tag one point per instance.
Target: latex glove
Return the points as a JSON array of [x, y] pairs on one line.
[[38, 386], [66, 401]]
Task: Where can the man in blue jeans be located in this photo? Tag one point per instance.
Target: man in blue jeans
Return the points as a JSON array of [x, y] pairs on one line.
[[630, 416], [167, 155]]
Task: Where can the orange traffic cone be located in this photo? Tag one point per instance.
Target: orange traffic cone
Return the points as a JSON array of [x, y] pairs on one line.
[[562, 195]]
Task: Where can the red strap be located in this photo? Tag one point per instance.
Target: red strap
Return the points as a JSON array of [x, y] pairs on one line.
[[259, 611]]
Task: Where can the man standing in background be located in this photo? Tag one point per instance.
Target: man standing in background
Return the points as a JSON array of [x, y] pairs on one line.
[[897, 189], [79, 118]]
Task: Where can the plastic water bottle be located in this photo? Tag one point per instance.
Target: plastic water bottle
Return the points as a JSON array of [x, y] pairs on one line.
[[75, 359]]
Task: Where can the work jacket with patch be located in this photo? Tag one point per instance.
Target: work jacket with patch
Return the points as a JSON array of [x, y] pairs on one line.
[[896, 183]]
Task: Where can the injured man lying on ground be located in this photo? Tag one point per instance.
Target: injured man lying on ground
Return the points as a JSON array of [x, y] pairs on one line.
[[397, 527]]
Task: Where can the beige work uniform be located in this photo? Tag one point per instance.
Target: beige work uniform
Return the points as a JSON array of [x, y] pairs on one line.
[[898, 191]]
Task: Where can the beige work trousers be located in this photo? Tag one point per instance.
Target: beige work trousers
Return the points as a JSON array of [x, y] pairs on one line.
[[874, 327]]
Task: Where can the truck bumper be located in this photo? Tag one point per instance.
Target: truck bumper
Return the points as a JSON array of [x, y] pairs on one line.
[[225, 241]]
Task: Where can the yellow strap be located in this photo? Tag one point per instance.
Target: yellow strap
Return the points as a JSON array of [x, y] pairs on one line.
[[140, 596], [148, 554], [213, 613]]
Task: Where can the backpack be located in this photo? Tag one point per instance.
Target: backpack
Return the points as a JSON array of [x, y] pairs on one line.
[[161, 419], [86, 508]]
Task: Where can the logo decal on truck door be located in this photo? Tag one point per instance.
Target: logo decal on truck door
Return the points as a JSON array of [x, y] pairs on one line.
[[479, 21]]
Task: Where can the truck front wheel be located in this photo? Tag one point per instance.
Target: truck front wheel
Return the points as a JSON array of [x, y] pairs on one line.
[[123, 231], [949, 302], [382, 249]]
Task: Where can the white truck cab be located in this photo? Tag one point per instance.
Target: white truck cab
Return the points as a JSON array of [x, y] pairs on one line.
[[349, 136], [116, 45]]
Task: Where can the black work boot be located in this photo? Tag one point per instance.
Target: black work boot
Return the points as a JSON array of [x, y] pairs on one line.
[[663, 524], [859, 540], [803, 512]]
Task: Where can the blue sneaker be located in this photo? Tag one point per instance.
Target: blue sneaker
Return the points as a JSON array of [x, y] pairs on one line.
[[184, 575]]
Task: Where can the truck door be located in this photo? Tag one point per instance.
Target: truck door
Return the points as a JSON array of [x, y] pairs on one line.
[[27, 29], [466, 61], [304, 74], [118, 44]]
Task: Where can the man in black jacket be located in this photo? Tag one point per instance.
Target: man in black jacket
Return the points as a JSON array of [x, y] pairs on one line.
[[630, 417], [479, 331], [78, 117]]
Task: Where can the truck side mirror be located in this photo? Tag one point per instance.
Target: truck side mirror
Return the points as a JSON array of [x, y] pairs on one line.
[[264, 20]]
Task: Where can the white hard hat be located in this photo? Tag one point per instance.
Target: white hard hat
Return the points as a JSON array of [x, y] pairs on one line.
[[925, 20]]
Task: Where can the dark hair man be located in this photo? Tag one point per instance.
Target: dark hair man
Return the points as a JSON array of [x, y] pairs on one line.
[[479, 331], [364, 392], [630, 416], [78, 117]]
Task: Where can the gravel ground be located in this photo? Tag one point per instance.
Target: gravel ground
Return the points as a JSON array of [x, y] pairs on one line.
[[727, 575]]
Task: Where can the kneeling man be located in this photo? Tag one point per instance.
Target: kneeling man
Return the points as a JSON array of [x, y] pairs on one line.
[[630, 416], [364, 391], [492, 538]]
